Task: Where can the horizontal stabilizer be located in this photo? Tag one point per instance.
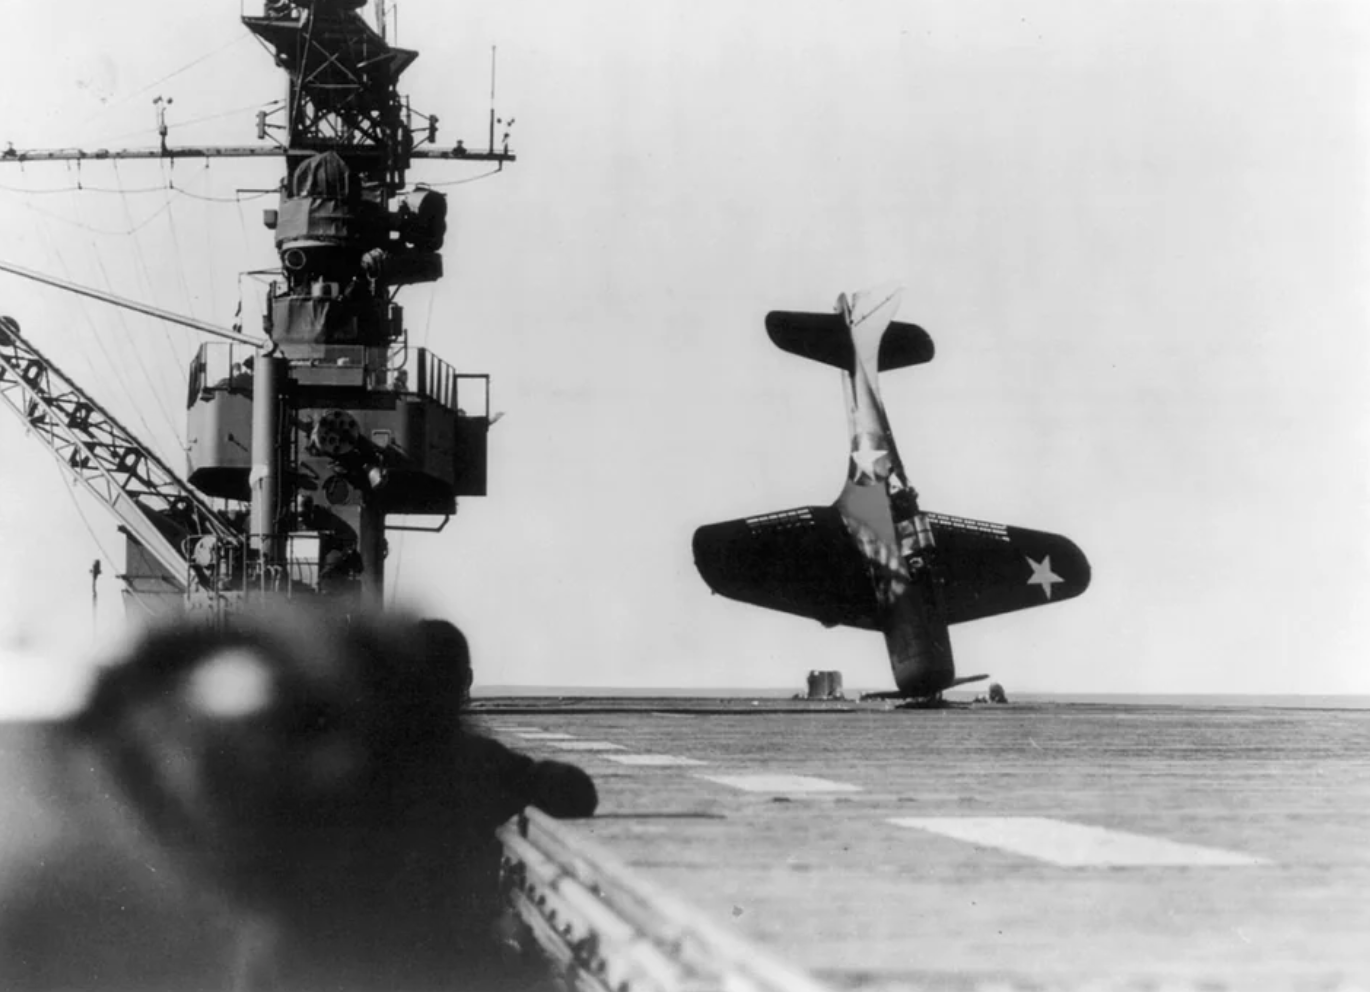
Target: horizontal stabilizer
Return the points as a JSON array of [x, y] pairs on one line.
[[823, 337]]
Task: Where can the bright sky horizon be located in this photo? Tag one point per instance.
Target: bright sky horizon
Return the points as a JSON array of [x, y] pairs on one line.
[[1136, 231]]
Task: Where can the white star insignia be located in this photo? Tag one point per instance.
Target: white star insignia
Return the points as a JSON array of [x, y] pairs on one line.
[[867, 459], [1042, 575]]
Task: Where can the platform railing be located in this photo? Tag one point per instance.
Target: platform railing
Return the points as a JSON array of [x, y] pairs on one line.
[[468, 393], [606, 928]]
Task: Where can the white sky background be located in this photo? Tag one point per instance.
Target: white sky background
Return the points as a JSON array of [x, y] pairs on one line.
[[1137, 232]]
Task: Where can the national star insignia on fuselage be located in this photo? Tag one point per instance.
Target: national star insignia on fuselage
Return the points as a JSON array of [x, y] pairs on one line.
[[866, 458], [1042, 575]]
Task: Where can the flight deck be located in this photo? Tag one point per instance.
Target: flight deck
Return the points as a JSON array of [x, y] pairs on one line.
[[1028, 846]]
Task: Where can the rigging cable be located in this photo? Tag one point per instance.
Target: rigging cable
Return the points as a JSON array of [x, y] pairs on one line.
[[468, 179], [78, 188], [172, 75], [219, 115], [138, 357], [176, 245], [239, 197], [181, 358], [210, 268], [99, 230], [110, 364], [247, 241], [247, 253], [69, 485], [144, 272]]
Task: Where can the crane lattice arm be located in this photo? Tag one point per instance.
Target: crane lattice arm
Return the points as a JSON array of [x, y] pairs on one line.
[[158, 509]]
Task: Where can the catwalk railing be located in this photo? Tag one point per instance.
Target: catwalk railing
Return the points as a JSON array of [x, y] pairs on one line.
[[607, 929]]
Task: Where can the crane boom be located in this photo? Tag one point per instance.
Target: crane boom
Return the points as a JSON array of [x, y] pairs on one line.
[[156, 508]]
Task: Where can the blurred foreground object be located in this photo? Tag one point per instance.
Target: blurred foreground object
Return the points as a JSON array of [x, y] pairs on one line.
[[286, 801]]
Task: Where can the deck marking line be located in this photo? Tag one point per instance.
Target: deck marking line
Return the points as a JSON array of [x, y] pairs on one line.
[[509, 729], [783, 784], [587, 746], [1074, 845], [653, 760], [542, 735]]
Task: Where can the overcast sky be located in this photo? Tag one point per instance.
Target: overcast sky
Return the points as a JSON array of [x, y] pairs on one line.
[[1137, 232]]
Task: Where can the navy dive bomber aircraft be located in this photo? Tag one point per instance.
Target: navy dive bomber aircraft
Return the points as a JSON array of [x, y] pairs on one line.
[[874, 559]]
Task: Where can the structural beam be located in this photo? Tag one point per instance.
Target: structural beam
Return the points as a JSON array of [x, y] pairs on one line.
[[462, 154], [14, 156]]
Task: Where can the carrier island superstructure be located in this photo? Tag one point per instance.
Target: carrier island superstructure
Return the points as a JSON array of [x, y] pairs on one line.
[[300, 446]]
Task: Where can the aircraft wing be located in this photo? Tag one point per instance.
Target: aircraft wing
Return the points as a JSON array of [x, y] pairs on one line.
[[990, 569], [804, 561], [800, 561]]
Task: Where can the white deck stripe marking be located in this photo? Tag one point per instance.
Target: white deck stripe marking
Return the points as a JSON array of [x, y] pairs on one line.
[[508, 728], [781, 783], [653, 760], [541, 735], [1073, 844], [587, 746]]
